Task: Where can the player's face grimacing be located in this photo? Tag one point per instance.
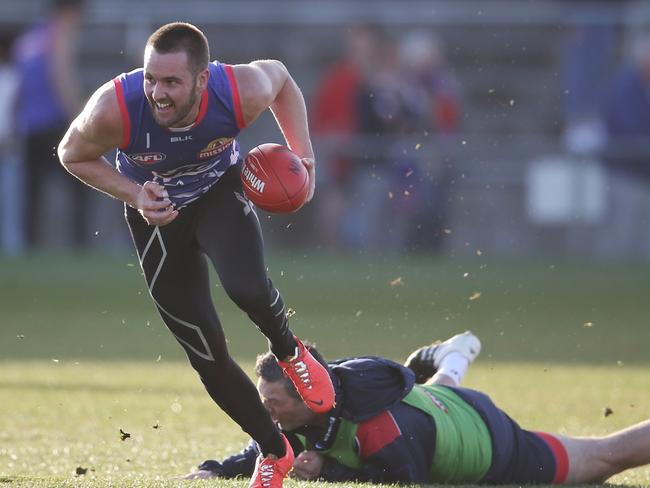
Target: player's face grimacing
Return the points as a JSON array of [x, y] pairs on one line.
[[172, 91], [288, 411]]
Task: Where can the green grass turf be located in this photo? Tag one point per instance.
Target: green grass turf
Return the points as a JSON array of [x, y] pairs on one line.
[[67, 307], [84, 353]]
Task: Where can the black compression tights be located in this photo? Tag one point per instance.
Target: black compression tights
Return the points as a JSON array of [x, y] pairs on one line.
[[222, 226]]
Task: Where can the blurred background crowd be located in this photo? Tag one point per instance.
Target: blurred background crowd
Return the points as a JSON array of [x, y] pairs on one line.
[[444, 127]]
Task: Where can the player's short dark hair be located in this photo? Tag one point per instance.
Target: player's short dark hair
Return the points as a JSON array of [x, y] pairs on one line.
[[267, 368], [182, 36]]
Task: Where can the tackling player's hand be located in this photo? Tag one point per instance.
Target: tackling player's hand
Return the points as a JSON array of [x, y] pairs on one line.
[[154, 204], [310, 164], [307, 465], [200, 474], [206, 470]]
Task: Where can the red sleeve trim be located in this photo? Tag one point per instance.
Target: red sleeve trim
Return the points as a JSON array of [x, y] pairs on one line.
[[560, 455], [376, 433], [126, 121], [203, 107], [236, 101]]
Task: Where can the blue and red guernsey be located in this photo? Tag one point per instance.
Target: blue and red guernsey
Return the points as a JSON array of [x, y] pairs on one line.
[[187, 161]]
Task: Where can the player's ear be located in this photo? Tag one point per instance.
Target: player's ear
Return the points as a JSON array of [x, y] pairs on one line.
[[202, 79]]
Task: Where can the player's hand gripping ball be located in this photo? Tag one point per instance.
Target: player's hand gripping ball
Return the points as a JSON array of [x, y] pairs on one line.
[[275, 179]]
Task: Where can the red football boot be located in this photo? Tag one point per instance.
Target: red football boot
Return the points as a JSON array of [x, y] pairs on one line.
[[271, 471], [310, 378]]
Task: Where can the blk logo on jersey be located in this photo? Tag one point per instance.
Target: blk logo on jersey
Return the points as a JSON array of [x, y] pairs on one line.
[[147, 158], [217, 146], [180, 138]]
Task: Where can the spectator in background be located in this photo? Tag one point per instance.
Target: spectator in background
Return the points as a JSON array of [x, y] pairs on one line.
[[48, 99], [589, 49], [627, 117], [422, 57], [423, 60], [335, 121], [10, 232], [410, 97]]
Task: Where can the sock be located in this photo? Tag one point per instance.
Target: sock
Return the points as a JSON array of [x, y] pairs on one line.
[[281, 341], [286, 349], [274, 444], [454, 365]]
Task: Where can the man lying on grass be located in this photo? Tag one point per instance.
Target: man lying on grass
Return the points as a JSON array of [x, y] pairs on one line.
[[388, 428]]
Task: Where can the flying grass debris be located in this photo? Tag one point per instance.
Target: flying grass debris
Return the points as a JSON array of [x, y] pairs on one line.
[[397, 282]]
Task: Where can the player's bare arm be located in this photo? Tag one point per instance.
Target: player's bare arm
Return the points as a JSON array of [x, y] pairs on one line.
[[96, 131], [267, 84]]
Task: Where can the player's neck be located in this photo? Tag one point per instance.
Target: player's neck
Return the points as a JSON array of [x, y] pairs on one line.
[[320, 420], [193, 117], [184, 128], [188, 122]]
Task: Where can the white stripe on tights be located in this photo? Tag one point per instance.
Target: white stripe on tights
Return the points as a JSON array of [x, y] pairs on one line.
[[205, 355]]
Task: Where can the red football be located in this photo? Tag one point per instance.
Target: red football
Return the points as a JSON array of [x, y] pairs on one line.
[[275, 179]]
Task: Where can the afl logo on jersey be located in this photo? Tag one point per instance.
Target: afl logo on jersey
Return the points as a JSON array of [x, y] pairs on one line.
[[215, 147], [147, 158]]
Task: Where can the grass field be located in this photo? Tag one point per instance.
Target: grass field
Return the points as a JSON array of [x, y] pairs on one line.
[[84, 354]]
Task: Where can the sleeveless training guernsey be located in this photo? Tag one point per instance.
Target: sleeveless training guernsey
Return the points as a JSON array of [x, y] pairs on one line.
[[188, 161], [463, 447]]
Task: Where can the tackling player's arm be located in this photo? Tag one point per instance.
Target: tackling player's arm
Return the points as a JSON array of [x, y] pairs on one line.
[[96, 131], [240, 464], [392, 464], [267, 84]]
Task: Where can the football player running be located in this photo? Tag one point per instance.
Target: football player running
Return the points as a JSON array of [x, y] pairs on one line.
[[174, 124]]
